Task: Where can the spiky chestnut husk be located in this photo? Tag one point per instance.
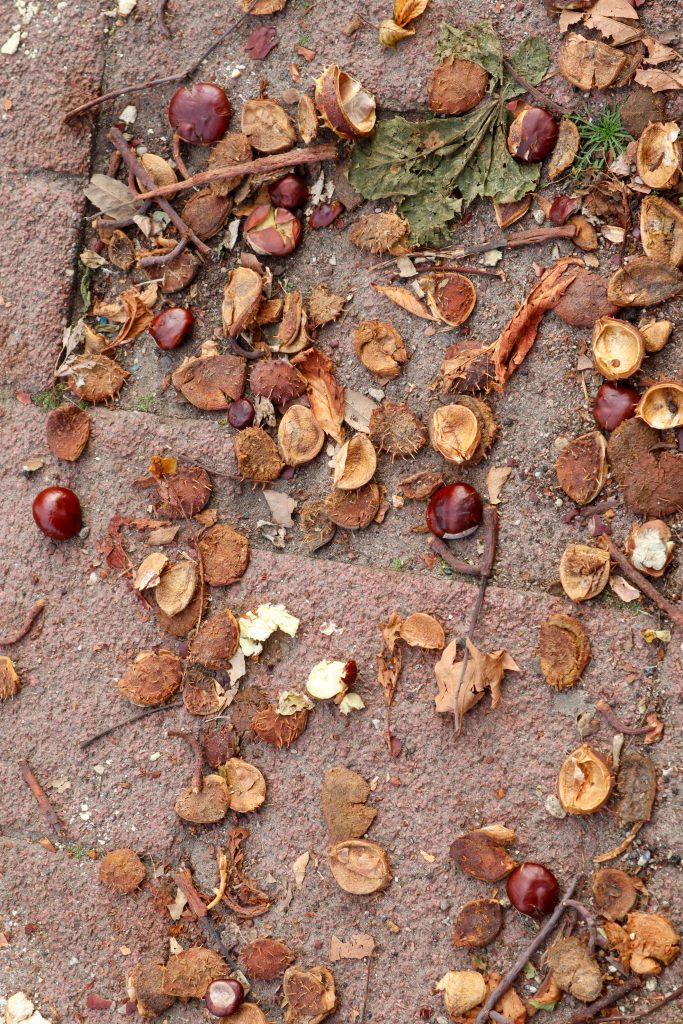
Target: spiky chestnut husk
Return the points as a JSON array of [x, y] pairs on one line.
[[277, 380], [397, 430]]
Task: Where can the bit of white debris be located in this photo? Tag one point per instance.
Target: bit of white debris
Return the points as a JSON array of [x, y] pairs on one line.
[[11, 45], [129, 115], [126, 7]]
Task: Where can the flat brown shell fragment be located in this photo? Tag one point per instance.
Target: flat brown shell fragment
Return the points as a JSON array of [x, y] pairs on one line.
[[661, 230], [343, 797], [565, 651], [653, 485], [300, 436], [211, 381], [184, 493], [615, 892], [146, 988], [309, 996], [248, 702], [280, 730], [627, 444], [189, 973], [423, 630], [585, 301], [257, 455], [481, 856], [246, 785], [566, 148], [307, 119], [379, 347], [316, 526], [10, 683], [454, 432], [220, 743], [380, 232], [574, 970], [451, 297], [644, 282], [355, 463], [176, 587], [581, 467], [152, 678], [232, 149], [202, 695], [584, 571], [216, 640], [354, 510], [122, 870], [242, 297], [477, 924], [456, 87], [225, 555], [177, 274], [121, 251], [644, 942], [158, 169], [67, 430], [421, 485], [184, 622], [359, 866], [636, 789], [588, 64], [206, 212], [658, 157], [585, 781], [206, 806], [266, 958], [261, 6], [267, 126], [96, 378], [397, 430]]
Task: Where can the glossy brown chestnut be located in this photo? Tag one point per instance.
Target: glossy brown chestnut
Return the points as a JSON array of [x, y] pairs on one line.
[[241, 414], [200, 113], [454, 511], [224, 998], [272, 231], [170, 327], [57, 512], [532, 135], [350, 672], [613, 404], [532, 889], [291, 192], [325, 214]]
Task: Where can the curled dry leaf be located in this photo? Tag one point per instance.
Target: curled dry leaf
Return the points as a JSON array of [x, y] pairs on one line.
[[292, 335], [390, 33], [477, 924], [343, 797], [422, 630], [67, 431], [585, 781], [451, 297], [270, 726], [267, 126], [355, 463], [325, 394], [585, 301], [650, 547], [205, 806], [202, 694], [152, 678], [618, 348], [225, 555], [176, 587], [307, 119], [353, 510], [482, 856], [456, 86], [10, 683], [146, 988], [316, 526], [565, 651], [581, 467], [645, 942], [95, 378], [242, 297], [210, 381], [232, 149], [406, 299], [588, 64], [257, 455], [658, 157], [462, 991], [584, 571], [566, 148], [132, 309], [615, 892], [309, 995], [246, 785], [277, 380], [644, 282], [205, 213], [661, 406], [454, 432], [636, 789], [379, 233], [122, 870], [661, 230], [216, 640], [483, 672], [359, 866], [574, 970], [395, 429], [496, 478], [300, 436], [379, 347], [266, 959], [189, 973], [345, 106]]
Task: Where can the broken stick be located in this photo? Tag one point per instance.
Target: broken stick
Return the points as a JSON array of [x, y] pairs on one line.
[[644, 586], [25, 627], [40, 795]]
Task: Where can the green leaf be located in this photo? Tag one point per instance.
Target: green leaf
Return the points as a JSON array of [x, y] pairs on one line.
[[479, 43], [538, 1004], [531, 61], [429, 215]]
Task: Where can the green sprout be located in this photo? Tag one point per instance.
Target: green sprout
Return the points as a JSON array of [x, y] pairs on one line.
[[145, 402], [602, 139], [50, 398]]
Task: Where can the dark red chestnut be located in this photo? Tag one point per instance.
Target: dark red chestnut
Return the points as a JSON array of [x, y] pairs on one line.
[[241, 414], [350, 672], [223, 998], [200, 113], [454, 511], [532, 135], [169, 328], [57, 511], [290, 192], [325, 214], [272, 231], [533, 889], [613, 404]]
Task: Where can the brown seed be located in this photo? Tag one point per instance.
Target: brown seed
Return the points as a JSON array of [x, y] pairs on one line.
[[477, 924], [122, 870], [565, 651]]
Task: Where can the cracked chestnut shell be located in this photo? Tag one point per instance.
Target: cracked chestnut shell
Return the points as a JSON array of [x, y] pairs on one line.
[[613, 404], [532, 135], [454, 511], [532, 889], [57, 512], [200, 113], [272, 231]]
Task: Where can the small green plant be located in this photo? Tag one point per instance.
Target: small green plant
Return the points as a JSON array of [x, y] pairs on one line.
[[78, 851], [145, 402], [396, 564], [305, 38], [602, 139], [305, 6], [50, 398]]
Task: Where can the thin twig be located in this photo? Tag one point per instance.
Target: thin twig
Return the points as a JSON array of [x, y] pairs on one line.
[[127, 721], [25, 627], [183, 879], [156, 261], [163, 27], [140, 172], [628, 730], [491, 525], [245, 353], [178, 76], [177, 154], [457, 564], [594, 939], [520, 963], [500, 1018], [591, 1011], [588, 510], [262, 165], [40, 795], [638, 580], [364, 1005], [196, 747], [676, 994], [555, 108], [457, 268]]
